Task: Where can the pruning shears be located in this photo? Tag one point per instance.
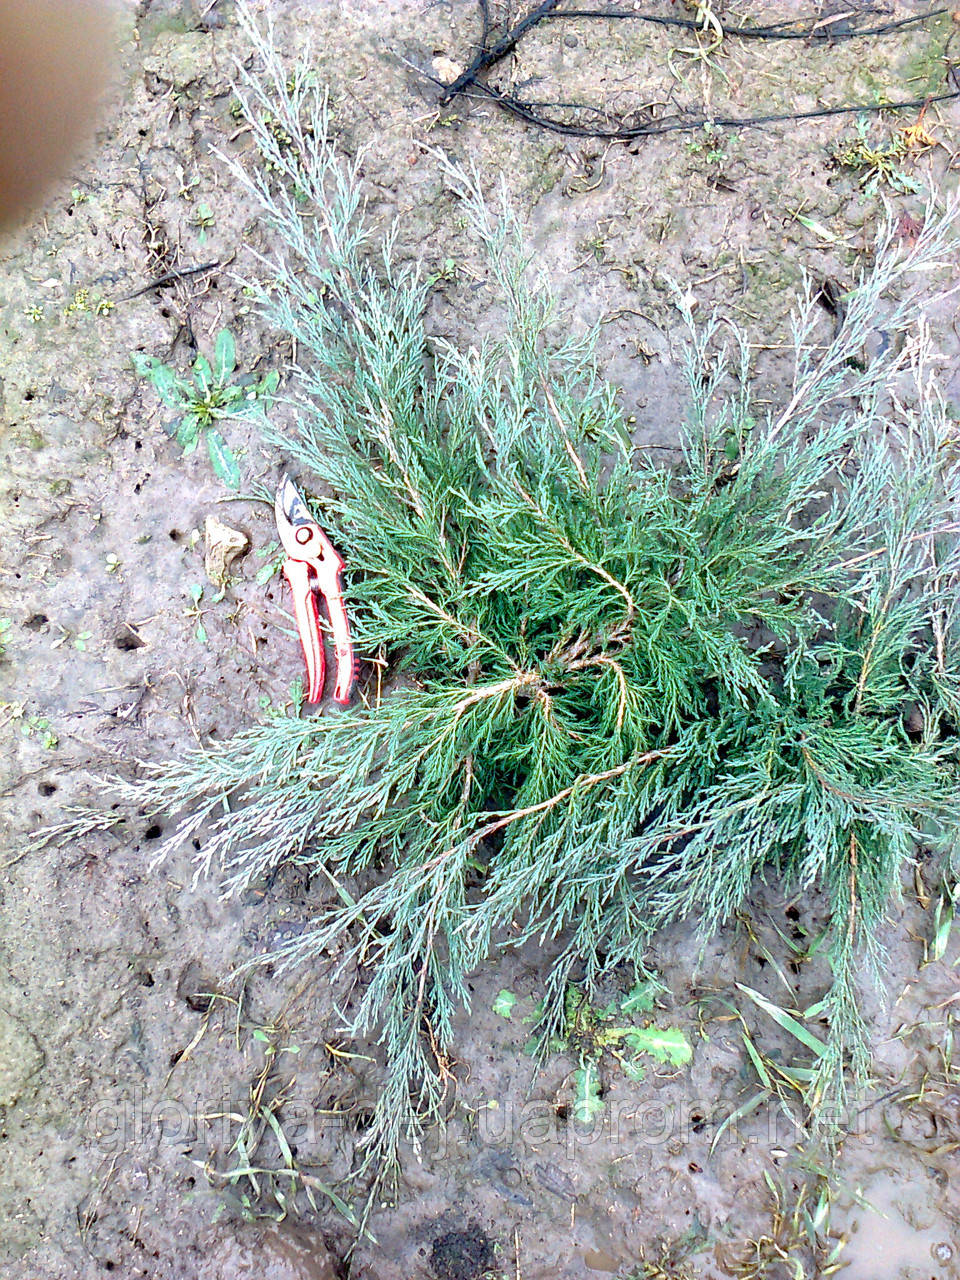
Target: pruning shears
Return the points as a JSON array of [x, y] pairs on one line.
[[312, 567]]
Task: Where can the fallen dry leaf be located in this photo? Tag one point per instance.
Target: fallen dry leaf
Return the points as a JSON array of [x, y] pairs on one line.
[[222, 546]]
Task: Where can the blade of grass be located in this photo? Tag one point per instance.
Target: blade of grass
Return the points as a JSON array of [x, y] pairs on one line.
[[786, 1021]]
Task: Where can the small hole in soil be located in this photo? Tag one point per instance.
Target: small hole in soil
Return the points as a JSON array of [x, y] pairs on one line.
[[146, 979], [153, 832], [792, 913], [47, 788], [563, 1112], [174, 535], [126, 640], [138, 444], [196, 843], [29, 395], [36, 622], [165, 312]]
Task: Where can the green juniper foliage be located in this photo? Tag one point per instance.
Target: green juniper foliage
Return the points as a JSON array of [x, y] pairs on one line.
[[621, 692]]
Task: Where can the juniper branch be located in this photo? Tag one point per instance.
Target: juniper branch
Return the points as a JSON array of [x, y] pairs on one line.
[[629, 691]]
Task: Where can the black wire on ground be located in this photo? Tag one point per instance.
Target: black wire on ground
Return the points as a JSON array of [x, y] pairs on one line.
[[821, 29], [625, 133], [487, 58], [489, 55]]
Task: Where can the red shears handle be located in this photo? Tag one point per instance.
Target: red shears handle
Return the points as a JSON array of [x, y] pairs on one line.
[[313, 567]]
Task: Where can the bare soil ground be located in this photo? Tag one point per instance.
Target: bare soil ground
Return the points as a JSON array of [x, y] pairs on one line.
[[122, 1084]]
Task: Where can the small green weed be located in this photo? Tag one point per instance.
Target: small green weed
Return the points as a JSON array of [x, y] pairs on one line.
[[203, 220], [709, 145], [207, 396], [78, 304], [447, 272], [30, 725], [84, 302], [592, 247], [195, 611], [76, 639], [943, 920], [289, 708], [880, 163], [503, 1004], [590, 1033], [273, 555]]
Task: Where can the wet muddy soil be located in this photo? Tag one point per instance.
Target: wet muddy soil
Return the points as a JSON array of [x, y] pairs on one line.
[[131, 1059]]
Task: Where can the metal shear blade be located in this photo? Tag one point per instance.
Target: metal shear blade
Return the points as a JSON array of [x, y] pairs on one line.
[[313, 567]]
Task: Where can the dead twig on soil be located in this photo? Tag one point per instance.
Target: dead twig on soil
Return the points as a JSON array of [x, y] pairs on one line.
[[171, 277]]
